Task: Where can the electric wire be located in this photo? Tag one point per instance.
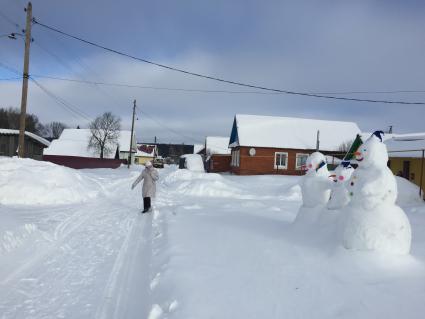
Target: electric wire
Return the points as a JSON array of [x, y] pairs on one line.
[[221, 79], [61, 102], [206, 90]]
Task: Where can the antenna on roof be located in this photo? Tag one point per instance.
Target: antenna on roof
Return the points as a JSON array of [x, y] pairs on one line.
[[317, 141]]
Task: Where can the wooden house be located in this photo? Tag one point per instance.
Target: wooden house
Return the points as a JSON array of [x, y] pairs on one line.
[[34, 144], [281, 145], [217, 154]]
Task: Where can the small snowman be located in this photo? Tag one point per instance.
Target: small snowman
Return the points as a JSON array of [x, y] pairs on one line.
[[315, 188], [374, 222], [340, 196]]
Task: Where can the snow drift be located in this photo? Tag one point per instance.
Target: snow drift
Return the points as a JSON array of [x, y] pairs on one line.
[[192, 183], [408, 193], [29, 182]]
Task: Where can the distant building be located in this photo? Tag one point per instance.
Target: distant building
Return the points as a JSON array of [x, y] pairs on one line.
[[145, 152], [217, 154], [34, 144], [71, 149], [406, 156], [281, 145], [172, 152]]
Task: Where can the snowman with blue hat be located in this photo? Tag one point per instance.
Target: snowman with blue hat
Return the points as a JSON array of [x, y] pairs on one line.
[[373, 220]]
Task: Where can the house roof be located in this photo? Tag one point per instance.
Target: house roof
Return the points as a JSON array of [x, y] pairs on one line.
[[29, 134], [74, 142], [145, 150], [217, 145], [197, 148], [289, 132], [406, 145]]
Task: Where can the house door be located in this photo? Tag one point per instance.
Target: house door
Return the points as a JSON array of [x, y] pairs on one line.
[[406, 169]]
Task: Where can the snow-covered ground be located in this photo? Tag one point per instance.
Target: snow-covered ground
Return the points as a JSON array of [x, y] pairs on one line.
[[73, 244]]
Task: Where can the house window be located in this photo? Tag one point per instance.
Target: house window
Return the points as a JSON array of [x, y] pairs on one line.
[[300, 161], [281, 160], [235, 158]]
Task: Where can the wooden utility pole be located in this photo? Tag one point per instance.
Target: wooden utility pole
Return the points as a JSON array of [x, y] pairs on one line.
[[131, 138], [21, 150], [317, 141]]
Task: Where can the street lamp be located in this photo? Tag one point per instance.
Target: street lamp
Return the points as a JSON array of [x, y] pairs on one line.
[[11, 35]]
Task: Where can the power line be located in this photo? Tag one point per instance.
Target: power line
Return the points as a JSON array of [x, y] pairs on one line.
[[14, 23], [167, 127], [209, 91], [11, 79], [61, 102], [224, 80]]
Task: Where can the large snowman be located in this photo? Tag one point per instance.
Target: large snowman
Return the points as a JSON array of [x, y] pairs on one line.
[[340, 195], [374, 222], [315, 188]]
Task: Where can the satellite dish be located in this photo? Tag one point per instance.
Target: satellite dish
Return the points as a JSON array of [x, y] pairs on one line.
[[252, 151]]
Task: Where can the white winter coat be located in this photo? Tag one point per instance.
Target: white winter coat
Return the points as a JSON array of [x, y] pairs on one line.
[[149, 177]]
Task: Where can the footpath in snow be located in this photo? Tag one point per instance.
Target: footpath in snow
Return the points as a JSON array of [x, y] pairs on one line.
[[73, 244]]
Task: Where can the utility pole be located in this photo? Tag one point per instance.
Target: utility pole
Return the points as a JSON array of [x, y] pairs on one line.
[[21, 151], [156, 149], [131, 138], [317, 141]]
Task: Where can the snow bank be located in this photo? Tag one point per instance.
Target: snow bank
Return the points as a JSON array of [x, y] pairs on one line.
[[408, 193], [29, 182], [192, 183], [194, 162]]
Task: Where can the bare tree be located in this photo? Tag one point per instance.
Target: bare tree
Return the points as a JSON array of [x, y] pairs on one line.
[[105, 130], [55, 129]]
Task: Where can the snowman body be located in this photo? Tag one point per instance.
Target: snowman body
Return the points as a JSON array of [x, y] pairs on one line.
[[315, 188], [374, 222], [340, 195]]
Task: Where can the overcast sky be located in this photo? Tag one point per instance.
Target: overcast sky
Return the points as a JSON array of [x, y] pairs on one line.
[[310, 46]]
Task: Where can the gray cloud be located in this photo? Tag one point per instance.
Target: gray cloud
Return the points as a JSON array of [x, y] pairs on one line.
[[326, 46]]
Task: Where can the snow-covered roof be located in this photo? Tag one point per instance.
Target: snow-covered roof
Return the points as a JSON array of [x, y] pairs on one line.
[[145, 150], [74, 142], [406, 145], [288, 132], [197, 148], [29, 134], [217, 145]]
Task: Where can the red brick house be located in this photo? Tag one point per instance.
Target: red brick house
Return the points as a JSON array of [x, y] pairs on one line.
[[280, 145]]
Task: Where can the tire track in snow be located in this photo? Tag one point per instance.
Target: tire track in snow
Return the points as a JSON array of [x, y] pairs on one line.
[[59, 236]]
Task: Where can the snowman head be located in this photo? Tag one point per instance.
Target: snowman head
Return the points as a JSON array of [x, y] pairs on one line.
[[316, 164], [343, 172], [373, 152]]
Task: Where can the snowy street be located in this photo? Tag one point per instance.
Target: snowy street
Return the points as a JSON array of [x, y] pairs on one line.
[[215, 246]]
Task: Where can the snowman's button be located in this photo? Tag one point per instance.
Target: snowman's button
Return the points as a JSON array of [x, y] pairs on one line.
[[351, 194], [352, 184]]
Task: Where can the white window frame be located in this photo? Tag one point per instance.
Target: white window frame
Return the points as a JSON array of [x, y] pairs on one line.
[[297, 156], [236, 158], [280, 166]]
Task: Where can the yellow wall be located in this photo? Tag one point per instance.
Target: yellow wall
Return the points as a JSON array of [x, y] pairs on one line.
[[396, 165], [141, 160]]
